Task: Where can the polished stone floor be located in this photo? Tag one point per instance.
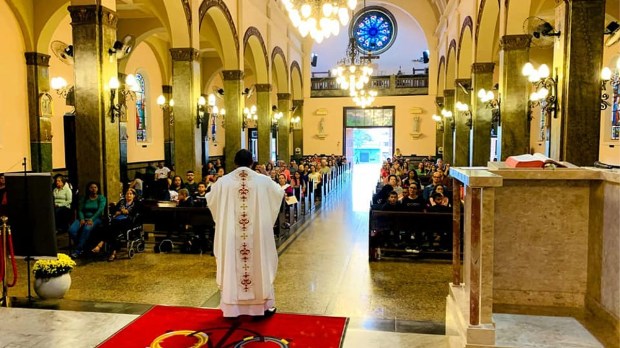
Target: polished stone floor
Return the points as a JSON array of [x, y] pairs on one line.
[[324, 270]]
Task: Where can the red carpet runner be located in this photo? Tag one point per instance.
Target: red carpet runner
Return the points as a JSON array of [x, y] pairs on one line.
[[183, 327]]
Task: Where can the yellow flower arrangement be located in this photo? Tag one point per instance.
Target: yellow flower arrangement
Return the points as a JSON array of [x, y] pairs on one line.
[[53, 268]]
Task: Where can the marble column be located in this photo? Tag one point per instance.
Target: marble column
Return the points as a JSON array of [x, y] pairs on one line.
[[575, 133], [284, 105], [514, 88], [40, 111], [439, 129], [482, 78], [448, 127], [185, 92], [263, 101], [97, 129], [462, 120], [233, 84], [168, 119], [298, 133]]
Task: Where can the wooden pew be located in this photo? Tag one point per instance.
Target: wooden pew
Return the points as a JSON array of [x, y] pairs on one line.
[[391, 231]]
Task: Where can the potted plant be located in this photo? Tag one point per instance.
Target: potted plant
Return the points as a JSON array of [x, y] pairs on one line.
[[52, 277]]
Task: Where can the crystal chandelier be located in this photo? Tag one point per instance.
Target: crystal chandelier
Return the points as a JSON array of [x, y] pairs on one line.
[[353, 72], [319, 18], [364, 98]]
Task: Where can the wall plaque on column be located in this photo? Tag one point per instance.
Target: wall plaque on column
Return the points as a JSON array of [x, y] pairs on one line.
[[45, 105]]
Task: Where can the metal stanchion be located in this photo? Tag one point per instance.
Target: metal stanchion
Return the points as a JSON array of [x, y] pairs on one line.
[[4, 258]]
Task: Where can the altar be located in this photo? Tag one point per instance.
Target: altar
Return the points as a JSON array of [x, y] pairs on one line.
[[545, 239]]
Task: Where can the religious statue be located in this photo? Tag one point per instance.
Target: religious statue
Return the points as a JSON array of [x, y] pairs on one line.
[[322, 125]]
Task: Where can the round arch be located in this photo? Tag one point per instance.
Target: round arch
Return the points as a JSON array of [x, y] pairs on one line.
[[518, 11], [279, 70], [451, 65], [441, 75], [464, 51], [223, 26], [254, 44], [296, 81], [488, 17]]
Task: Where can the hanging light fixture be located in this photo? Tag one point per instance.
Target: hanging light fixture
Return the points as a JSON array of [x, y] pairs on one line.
[[319, 18], [353, 71], [364, 98]]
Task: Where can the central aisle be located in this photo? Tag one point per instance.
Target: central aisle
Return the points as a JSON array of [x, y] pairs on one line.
[[326, 269]]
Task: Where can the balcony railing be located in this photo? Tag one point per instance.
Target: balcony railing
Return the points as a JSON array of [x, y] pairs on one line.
[[390, 85]]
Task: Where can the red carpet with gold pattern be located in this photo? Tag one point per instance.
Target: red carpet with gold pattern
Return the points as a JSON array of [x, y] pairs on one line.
[[182, 327]]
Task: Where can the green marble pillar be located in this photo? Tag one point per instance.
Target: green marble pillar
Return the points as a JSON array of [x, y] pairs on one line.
[[439, 129], [122, 131], [284, 126], [263, 101], [40, 111], [97, 131], [448, 127], [462, 119], [576, 130], [168, 127], [482, 78], [298, 132], [233, 84], [185, 92], [514, 137]]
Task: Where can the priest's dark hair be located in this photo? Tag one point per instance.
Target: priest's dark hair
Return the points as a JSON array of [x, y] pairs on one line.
[[243, 158]]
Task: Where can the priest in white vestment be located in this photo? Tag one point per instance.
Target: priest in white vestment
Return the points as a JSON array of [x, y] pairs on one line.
[[245, 206]]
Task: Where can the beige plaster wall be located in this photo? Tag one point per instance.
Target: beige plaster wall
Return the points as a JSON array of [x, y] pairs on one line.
[[142, 60], [541, 242], [331, 109], [60, 69], [14, 136]]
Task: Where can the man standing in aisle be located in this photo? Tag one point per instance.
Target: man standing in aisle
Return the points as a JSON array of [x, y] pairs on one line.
[[245, 206]]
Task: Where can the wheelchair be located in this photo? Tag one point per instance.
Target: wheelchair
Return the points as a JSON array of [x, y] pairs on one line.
[[129, 233]]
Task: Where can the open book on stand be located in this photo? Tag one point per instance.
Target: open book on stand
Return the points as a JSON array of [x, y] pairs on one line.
[[536, 160]]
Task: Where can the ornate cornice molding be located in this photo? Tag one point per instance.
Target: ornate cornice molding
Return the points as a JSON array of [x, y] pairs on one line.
[[514, 42], [463, 81], [166, 89], [188, 12], [298, 102], [36, 58], [283, 96], [232, 75], [207, 4], [184, 54], [450, 47], [295, 65], [447, 93], [481, 68], [92, 14], [263, 87], [479, 20], [253, 31]]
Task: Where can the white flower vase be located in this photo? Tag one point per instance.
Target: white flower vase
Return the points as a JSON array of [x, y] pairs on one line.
[[52, 288]]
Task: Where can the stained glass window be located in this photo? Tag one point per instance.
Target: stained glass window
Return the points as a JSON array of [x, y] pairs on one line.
[[615, 114], [380, 117], [141, 117], [374, 30]]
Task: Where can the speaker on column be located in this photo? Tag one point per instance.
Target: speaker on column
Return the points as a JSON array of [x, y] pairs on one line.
[[314, 61]]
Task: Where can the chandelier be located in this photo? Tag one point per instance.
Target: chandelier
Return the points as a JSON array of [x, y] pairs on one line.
[[353, 72], [319, 18], [364, 98]]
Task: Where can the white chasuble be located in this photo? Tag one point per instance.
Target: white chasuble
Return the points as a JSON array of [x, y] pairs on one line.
[[245, 206]]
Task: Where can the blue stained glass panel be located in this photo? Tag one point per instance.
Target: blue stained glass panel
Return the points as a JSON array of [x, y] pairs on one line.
[[374, 30]]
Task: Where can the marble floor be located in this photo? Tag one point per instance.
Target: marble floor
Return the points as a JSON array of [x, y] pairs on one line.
[[324, 271]]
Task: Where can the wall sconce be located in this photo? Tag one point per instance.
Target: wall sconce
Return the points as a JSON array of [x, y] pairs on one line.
[[546, 86], [295, 121], [250, 114], [206, 107], [488, 97], [447, 115], [200, 110], [63, 90], [166, 105], [613, 78], [277, 115], [464, 110], [438, 119], [131, 87]]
